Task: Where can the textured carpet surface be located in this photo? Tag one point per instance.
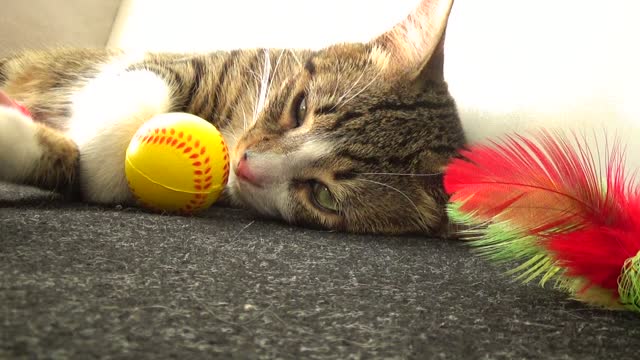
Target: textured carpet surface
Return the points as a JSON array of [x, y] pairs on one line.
[[79, 281]]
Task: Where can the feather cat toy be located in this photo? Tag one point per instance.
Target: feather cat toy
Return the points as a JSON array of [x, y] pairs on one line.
[[548, 203]]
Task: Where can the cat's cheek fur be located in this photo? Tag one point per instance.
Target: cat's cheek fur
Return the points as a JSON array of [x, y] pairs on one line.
[[272, 201], [276, 173], [20, 148], [106, 113]]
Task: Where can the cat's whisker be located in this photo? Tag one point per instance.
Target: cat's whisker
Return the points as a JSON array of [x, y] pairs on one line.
[[256, 76], [362, 90], [335, 89], [399, 192], [255, 94], [275, 72], [244, 119], [346, 93], [266, 72], [402, 174], [295, 57], [242, 230], [231, 131]]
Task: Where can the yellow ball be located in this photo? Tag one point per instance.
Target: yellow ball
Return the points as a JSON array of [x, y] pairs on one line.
[[177, 162]]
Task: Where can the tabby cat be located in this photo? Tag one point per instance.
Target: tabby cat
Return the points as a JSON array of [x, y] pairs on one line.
[[353, 137]]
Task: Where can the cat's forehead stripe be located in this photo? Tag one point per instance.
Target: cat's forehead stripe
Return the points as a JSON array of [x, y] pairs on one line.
[[344, 119], [345, 175], [310, 66]]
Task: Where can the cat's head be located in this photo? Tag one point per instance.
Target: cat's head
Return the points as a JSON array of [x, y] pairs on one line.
[[357, 139]]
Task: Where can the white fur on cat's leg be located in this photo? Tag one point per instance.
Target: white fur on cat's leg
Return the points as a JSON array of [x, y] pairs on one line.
[[106, 114], [20, 149]]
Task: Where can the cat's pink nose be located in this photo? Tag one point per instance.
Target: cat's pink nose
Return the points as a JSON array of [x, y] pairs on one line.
[[243, 171]]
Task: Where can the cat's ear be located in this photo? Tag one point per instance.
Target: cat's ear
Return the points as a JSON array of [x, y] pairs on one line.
[[415, 46]]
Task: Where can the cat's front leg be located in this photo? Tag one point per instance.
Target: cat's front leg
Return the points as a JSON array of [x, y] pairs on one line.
[[106, 113], [33, 154]]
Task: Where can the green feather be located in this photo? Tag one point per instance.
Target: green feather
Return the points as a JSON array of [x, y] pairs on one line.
[[501, 242], [629, 283]]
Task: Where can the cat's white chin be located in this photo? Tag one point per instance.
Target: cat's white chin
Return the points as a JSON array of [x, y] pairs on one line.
[[271, 200]]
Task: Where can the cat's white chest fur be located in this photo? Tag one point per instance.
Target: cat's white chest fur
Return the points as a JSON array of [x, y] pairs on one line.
[[106, 113]]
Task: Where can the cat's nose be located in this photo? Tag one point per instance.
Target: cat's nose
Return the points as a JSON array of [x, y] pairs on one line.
[[243, 170]]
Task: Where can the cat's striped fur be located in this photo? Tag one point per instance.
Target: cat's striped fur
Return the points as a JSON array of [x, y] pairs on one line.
[[368, 125]]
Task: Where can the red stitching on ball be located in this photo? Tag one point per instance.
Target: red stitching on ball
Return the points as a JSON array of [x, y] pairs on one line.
[[172, 138]]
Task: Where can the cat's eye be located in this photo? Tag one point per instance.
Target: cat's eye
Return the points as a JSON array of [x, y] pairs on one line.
[[299, 110], [322, 197]]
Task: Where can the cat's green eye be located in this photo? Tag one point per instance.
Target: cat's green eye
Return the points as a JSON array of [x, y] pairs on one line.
[[322, 197], [300, 110]]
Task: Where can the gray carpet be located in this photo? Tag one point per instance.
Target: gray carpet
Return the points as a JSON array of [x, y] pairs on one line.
[[79, 281]]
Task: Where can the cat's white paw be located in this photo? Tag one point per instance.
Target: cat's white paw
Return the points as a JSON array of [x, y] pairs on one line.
[[20, 148]]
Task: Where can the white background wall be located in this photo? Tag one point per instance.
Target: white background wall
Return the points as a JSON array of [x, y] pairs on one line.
[[228, 24], [28, 24], [512, 64]]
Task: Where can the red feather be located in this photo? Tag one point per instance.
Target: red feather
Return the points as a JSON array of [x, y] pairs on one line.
[[552, 187]]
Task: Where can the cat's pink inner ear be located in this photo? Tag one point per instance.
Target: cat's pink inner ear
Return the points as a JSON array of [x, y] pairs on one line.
[[411, 43]]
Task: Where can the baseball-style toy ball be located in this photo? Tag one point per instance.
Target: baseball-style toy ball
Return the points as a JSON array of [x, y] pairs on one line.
[[177, 162]]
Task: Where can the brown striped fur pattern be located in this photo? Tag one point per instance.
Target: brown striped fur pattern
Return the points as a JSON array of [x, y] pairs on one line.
[[353, 137]]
